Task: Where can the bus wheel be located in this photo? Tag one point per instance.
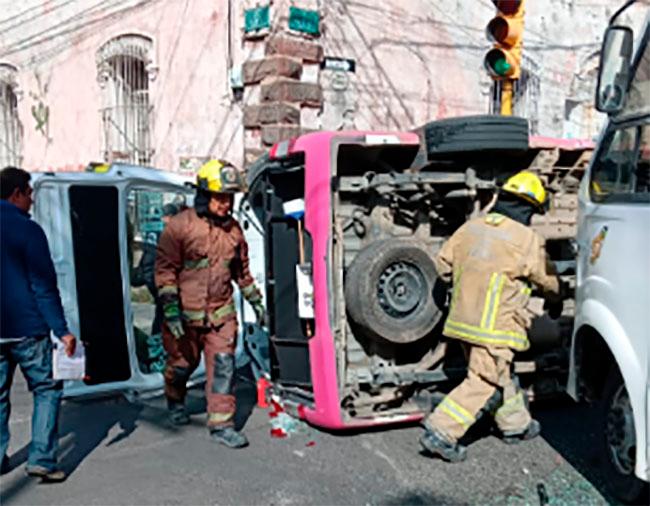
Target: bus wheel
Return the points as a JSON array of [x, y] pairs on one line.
[[619, 442]]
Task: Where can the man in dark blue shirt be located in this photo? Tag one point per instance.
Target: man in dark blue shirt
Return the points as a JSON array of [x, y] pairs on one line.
[[30, 307]]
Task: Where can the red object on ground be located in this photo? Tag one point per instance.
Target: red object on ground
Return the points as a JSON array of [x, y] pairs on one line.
[[262, 387], [311, 443], [279, 433]]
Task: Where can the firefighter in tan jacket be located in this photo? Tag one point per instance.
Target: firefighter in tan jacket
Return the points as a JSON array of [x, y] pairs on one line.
[[200, 253], [492, 262]]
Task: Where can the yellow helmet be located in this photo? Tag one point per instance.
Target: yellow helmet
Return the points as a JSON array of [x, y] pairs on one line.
[[220, 176], [528, 186]]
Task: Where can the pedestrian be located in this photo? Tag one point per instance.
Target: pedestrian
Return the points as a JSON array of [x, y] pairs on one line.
[[30, 308], [493, 262], [200, 253]]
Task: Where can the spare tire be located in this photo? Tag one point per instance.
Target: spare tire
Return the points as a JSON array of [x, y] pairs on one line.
[[388, 291], [473, 134]]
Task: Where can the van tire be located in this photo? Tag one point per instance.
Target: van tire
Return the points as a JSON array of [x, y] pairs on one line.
[[373, 280], [624, 486], [473, 134]]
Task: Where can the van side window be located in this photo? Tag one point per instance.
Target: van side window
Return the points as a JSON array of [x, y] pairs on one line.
[[622, 172]]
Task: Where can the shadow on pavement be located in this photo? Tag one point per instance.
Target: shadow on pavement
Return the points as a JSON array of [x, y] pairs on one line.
[[85, 424], [417, 498], [572, 430]]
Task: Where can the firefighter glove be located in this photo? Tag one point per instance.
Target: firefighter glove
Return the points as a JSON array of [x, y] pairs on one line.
[[260, 313], [565, 290], [172, 310], [554, 308], [175, 326]]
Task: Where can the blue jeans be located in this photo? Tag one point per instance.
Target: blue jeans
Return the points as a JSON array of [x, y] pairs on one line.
[[34, 356]]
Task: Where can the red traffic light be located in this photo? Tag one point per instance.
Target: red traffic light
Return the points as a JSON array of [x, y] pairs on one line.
[[507, 6], [504, 31]]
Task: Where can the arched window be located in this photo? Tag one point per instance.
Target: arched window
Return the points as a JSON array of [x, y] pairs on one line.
[[125, 68], [11, 130]]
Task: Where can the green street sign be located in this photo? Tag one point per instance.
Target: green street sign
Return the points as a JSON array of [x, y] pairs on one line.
[[305, 21], [257, 18]]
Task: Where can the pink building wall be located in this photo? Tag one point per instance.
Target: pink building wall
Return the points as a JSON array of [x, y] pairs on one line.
[[193, 113], [416, 60]]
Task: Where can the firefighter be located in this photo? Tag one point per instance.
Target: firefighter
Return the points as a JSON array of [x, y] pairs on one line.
[[200, 253], [492, 262]]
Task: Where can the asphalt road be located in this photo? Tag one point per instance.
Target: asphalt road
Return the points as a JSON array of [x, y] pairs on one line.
[[122, 453]]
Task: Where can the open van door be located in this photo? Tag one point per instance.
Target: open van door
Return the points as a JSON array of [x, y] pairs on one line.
[[253, 342], [99, 225]]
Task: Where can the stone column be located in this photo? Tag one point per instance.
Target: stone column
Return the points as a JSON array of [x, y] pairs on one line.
[[282, 93]]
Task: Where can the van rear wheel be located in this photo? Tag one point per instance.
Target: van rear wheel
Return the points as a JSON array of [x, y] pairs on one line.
[[388, 291], [618, 441]]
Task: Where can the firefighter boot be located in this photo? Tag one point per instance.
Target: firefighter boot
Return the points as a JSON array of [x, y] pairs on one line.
[[177, 414], [435, 443], [229, 437], [533, 430]]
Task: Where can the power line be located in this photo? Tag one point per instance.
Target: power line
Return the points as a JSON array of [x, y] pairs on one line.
[[22, 22], [25, 43], [77, 20]]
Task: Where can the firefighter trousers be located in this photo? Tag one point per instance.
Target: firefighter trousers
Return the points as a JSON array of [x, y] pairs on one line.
[[488, 371], [184, 354]]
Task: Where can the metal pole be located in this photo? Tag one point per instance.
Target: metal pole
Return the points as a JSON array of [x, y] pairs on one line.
[[506, 97]]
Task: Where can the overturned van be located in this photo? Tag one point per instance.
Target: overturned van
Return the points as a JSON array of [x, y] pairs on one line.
[[100, 224], [373, 209]]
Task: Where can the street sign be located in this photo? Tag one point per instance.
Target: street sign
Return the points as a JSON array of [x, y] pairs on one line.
[[336, 63]]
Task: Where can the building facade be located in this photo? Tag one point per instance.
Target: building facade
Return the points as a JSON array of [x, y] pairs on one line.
[[169, 83]]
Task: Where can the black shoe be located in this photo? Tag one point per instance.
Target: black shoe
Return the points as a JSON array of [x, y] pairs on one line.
[[434, 443], [532, 431], [229, 437], [177, 414], [47, 475]]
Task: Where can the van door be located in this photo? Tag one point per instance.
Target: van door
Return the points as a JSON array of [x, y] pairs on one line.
[[253, 343], [96, 228], [272, 185], [614, 235], [148, 207]]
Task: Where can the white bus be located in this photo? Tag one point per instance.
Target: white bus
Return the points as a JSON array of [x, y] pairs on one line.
[[610, 359]]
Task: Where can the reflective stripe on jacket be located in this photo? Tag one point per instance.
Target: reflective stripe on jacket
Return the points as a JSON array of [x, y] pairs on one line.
[[198, 259], [491, 261]]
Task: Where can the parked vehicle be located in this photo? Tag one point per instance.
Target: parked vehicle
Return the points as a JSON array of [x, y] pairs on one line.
[[610, 355]]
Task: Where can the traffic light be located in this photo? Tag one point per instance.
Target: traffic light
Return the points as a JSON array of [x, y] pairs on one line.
[[506, 31]]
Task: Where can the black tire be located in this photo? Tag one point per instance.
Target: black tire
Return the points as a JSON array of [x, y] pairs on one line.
[[476, 134], [614, 423], [388, 290]]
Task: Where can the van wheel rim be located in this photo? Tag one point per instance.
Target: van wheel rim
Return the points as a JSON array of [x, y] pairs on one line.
[[400, 289], [621, 440]]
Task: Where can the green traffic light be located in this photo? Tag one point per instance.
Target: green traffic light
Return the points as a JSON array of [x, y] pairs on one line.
[[502, 67]]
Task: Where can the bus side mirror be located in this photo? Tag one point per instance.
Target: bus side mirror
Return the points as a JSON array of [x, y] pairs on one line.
[[614, 72]]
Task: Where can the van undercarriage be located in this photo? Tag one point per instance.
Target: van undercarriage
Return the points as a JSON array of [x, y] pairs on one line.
[[390, 217]]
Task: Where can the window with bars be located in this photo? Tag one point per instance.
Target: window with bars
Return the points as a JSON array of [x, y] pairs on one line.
[[10, 127], [125, 70]]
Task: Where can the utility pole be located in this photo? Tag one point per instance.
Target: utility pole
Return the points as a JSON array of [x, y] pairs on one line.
[[503, 61]]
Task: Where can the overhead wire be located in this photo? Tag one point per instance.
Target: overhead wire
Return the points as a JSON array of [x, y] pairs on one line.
[[38, 6], [84, 29], [77, 18]]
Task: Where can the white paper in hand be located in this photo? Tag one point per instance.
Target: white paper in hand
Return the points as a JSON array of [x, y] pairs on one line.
[[68, 368]]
